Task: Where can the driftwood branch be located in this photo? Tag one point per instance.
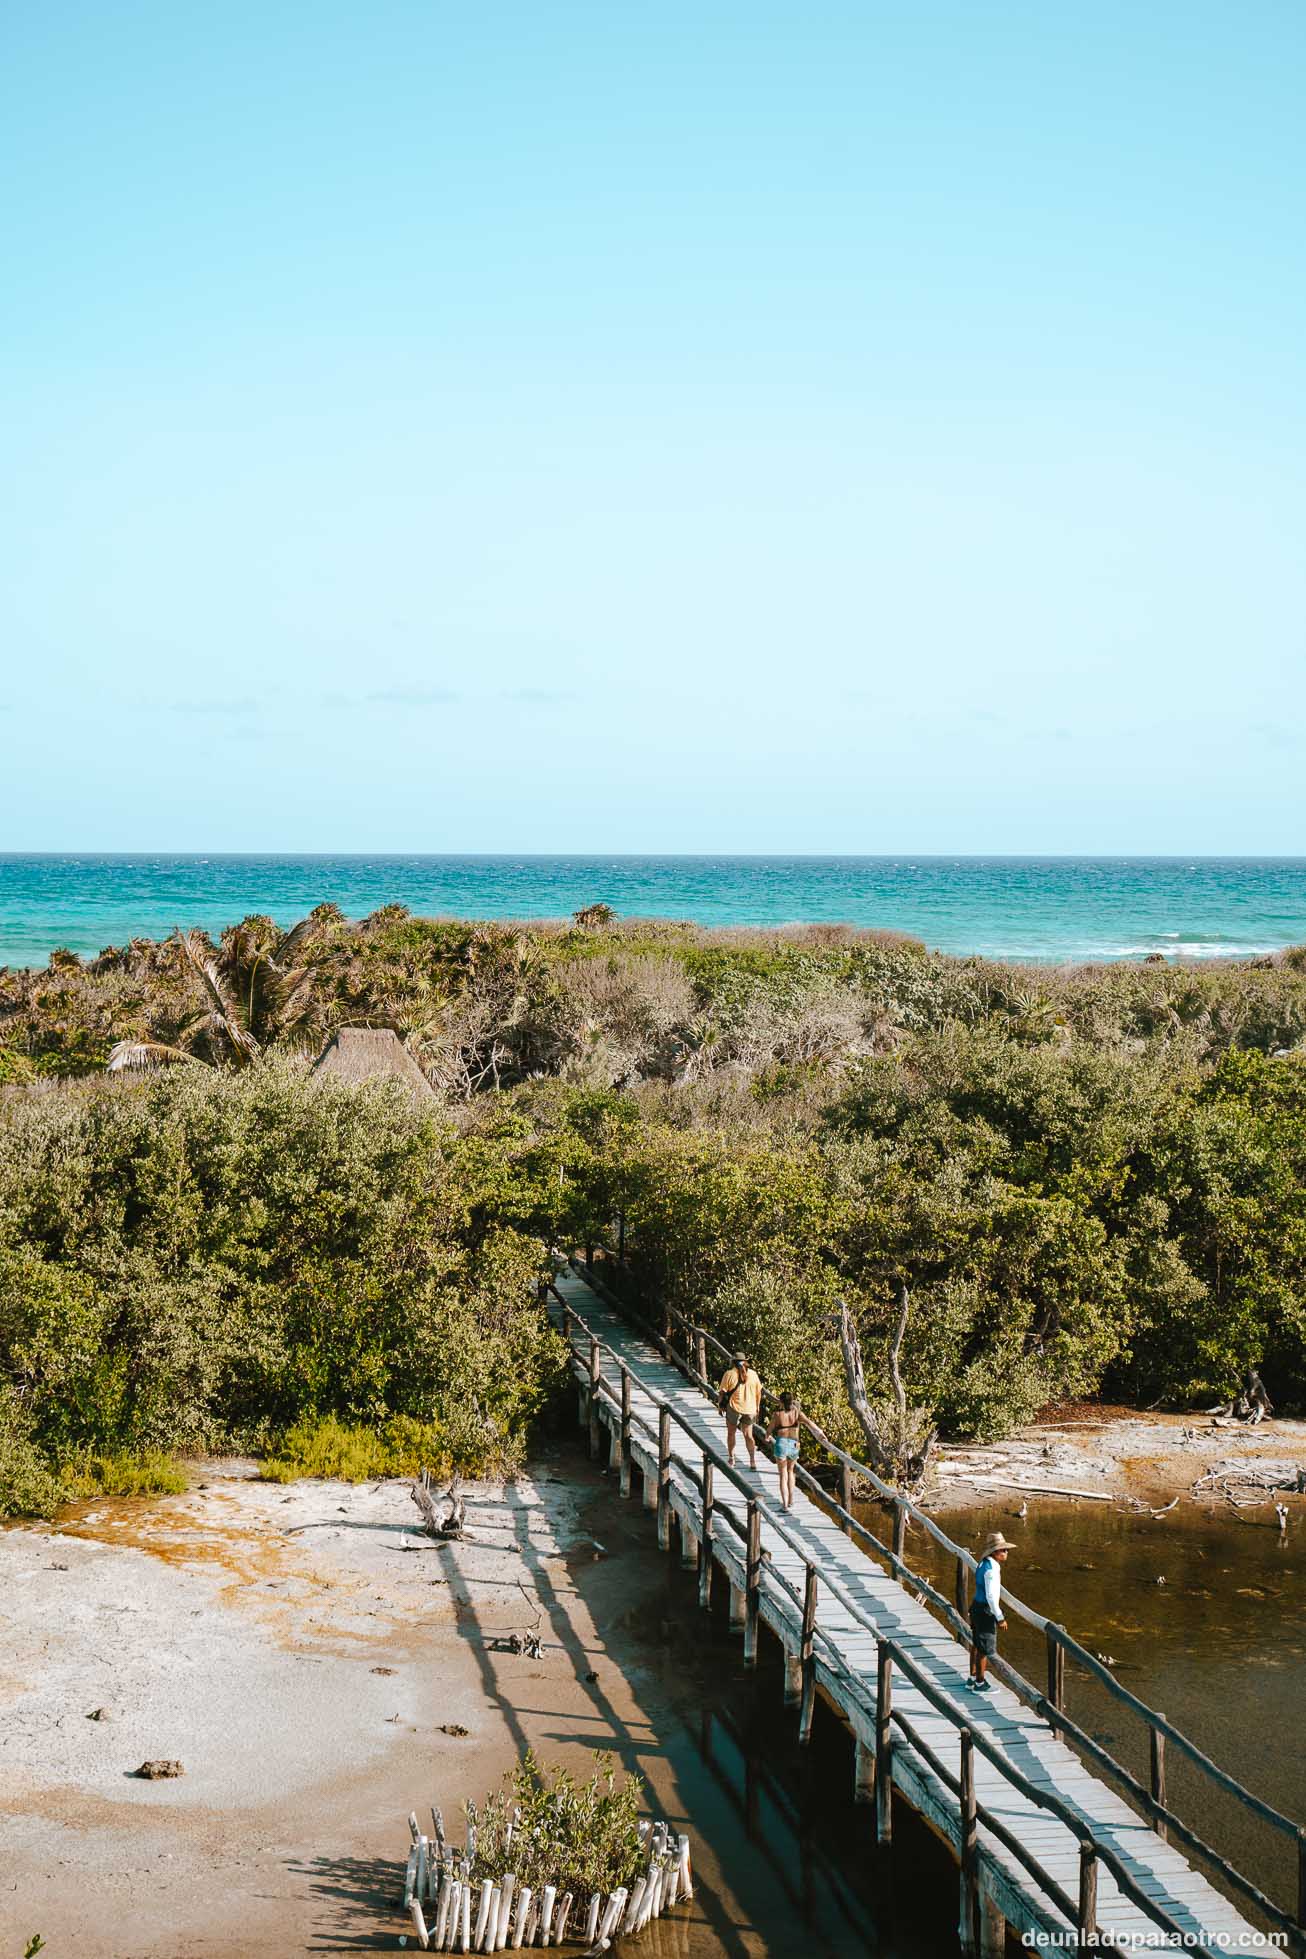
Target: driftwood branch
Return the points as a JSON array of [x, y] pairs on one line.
[[451, 1524], [1246, 1486]]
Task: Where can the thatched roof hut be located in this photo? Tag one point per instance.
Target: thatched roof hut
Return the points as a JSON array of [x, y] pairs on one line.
[[366, 1054]]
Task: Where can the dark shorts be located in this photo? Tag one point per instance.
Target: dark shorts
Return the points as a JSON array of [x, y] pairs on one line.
[[984, 1630], [739, 1421]]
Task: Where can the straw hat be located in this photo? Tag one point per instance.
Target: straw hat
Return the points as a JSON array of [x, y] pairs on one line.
[[995, 1541], [741, 1359]]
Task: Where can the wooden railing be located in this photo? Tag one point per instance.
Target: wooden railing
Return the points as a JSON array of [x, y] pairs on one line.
[[1049, 1704]]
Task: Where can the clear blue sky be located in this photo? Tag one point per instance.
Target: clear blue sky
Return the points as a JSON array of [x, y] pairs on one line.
[[432, 427]]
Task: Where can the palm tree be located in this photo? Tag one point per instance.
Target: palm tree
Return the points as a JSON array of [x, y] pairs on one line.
[[252, 990]]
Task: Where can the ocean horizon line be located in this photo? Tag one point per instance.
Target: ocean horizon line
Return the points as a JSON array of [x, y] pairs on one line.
[[1170, 857]]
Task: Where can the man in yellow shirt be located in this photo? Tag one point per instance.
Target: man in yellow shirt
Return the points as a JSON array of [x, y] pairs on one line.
[[741, 1403]]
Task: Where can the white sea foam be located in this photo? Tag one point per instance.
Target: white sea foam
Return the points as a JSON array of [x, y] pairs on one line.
[[1179, 949]]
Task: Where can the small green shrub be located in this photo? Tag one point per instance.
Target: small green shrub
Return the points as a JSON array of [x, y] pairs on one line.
[[582, 1836], [347, 1453], [149, 1472]]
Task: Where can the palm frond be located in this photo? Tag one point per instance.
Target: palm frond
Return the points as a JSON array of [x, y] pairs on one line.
[[145, 1057], [289, 945], [226, 1011]]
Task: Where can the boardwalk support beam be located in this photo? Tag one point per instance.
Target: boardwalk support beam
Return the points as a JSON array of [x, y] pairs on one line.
[[1087, 1892], [992, 1927], [595, 1377], [705, 1539], [753, 1581], [664, 1479], [969, 1848], [884, 1746], [1056, 1667], [807, 1658], [625, 1432]]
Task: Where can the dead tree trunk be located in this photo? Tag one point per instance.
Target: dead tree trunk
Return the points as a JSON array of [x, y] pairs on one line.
[[899, 1439], [855, 1378], [895, 1348]]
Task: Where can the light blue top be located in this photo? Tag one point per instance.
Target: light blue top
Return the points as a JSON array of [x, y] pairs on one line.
[[988, 1585]]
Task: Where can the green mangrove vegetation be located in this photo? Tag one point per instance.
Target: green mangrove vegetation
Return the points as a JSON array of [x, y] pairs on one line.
[[1092, 1181]]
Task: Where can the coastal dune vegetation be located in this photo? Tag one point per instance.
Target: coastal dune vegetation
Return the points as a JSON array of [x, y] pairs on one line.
[[1090, 1181]]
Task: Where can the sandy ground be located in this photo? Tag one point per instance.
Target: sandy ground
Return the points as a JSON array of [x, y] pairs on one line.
[[1120, 1455], [312, 1661]]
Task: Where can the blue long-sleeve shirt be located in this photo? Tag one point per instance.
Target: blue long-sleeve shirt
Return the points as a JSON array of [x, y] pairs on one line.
[[988, 1585]]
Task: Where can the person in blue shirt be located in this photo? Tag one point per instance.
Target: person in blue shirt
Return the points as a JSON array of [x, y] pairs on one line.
[[986, 1620]]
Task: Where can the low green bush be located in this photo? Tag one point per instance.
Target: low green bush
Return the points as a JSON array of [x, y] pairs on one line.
[[151, 1472], [346, 1453], [582, 1837]]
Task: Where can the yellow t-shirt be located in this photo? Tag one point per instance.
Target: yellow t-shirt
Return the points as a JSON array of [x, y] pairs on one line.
[[744, 1392]]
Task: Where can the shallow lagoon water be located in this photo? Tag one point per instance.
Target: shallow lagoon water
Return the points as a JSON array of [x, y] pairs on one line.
[[1220, 1647]]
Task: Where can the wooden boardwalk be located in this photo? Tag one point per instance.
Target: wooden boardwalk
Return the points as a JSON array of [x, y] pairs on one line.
[[845, 1663]]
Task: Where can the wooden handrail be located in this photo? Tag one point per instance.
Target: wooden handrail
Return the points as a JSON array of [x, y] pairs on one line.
[[992, 1824], [1173, 1825], [1059, 1640], [1040, 1795]]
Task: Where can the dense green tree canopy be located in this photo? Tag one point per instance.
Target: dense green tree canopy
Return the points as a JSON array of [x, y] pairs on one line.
[[1088, 1180]]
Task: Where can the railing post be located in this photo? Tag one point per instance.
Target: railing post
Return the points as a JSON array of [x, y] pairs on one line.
[[589, 1256], [621, 1237], [807, 1656], [1158, 1778], [700, 1353], [705, 1541], [959, 1587], [595, 1377], [664, 1479], [566, 1322], [899, 1527], [1056, 1666], [752, 1581], [884, 1745], [846, 1492], [1087, 1892], [626, 1457], [1301, 1879], [969, 1847]]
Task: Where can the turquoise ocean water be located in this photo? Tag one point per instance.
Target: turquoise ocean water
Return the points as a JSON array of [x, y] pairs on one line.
[[1038, 908]]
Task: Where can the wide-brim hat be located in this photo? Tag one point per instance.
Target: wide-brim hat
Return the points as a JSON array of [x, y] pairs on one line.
[[995, 1541]]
